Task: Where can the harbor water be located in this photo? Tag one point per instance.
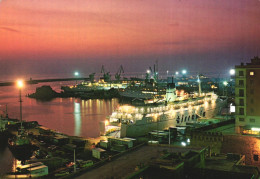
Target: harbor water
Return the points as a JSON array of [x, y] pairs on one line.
[[71, 116]]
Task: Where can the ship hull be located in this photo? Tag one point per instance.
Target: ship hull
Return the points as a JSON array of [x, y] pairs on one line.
[[144, 129], [3, 137], [180, 118], [22, 152]]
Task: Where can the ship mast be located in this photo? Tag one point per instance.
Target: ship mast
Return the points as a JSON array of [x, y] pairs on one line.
[[20, 100], [199, 85], [20, 84]]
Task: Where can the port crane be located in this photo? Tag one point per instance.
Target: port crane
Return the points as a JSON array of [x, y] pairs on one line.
[[119, 72], [92, 77], [106, 75]]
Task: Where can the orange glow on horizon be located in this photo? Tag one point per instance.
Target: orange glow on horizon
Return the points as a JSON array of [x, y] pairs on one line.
[[83, 28]]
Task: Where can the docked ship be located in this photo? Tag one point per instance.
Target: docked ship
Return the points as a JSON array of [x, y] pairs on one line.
[[175, 110], [21, 146], [149, 91], [3, 131], [4, 123], [104, 83]]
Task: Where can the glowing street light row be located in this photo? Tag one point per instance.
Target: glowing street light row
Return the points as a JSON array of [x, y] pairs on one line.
[[184, 72], [176, 73]]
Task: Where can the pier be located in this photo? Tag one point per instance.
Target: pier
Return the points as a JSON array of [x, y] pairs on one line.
[[31, 81]]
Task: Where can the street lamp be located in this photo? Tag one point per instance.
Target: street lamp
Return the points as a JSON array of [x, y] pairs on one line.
[[184, 72], [232, 73], [20, 85]]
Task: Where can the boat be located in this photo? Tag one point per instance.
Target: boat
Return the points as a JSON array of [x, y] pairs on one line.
[[21, 146], [3, 132], [4, 123], [147, 92], [104, 83], [177, 109]]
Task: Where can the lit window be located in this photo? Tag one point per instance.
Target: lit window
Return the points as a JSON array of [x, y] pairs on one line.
[[252, 73]]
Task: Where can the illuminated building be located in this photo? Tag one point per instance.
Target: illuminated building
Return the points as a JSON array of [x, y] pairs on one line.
[[247, 97]]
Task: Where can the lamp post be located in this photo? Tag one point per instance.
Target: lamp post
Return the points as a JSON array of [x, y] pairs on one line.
[[225, 83], [199, 84], [147, 76], [20, 85], [184, 73], [76, 74], [232, 73]]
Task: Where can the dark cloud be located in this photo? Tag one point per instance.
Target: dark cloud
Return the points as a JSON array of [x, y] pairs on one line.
[[184, 42], [10, 29]]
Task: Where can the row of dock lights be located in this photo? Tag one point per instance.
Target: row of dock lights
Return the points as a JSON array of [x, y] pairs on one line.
[[183, 72]]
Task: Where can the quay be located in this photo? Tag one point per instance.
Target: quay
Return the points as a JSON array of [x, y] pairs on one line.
[[31, 81]]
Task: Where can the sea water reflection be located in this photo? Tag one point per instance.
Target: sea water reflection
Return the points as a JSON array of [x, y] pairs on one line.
[[71, 116]]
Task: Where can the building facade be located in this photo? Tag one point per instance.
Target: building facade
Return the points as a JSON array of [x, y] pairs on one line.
[[247, 97]]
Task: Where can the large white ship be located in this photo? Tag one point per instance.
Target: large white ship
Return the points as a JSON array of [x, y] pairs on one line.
[[175, 111]]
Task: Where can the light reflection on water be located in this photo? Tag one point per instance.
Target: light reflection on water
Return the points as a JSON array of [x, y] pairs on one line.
[[67, 115], [77, 117]]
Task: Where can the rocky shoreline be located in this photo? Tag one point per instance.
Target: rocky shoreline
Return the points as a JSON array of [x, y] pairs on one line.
[[46, 93]]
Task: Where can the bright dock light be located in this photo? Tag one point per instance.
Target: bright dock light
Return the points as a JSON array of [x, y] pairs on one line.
[[232, 71], [225, 83], [176, 73], [255, 129], [76, 73], [184, 72], [20, 83]]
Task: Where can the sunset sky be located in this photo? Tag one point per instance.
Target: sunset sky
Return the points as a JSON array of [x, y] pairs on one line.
[[46, 36]]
